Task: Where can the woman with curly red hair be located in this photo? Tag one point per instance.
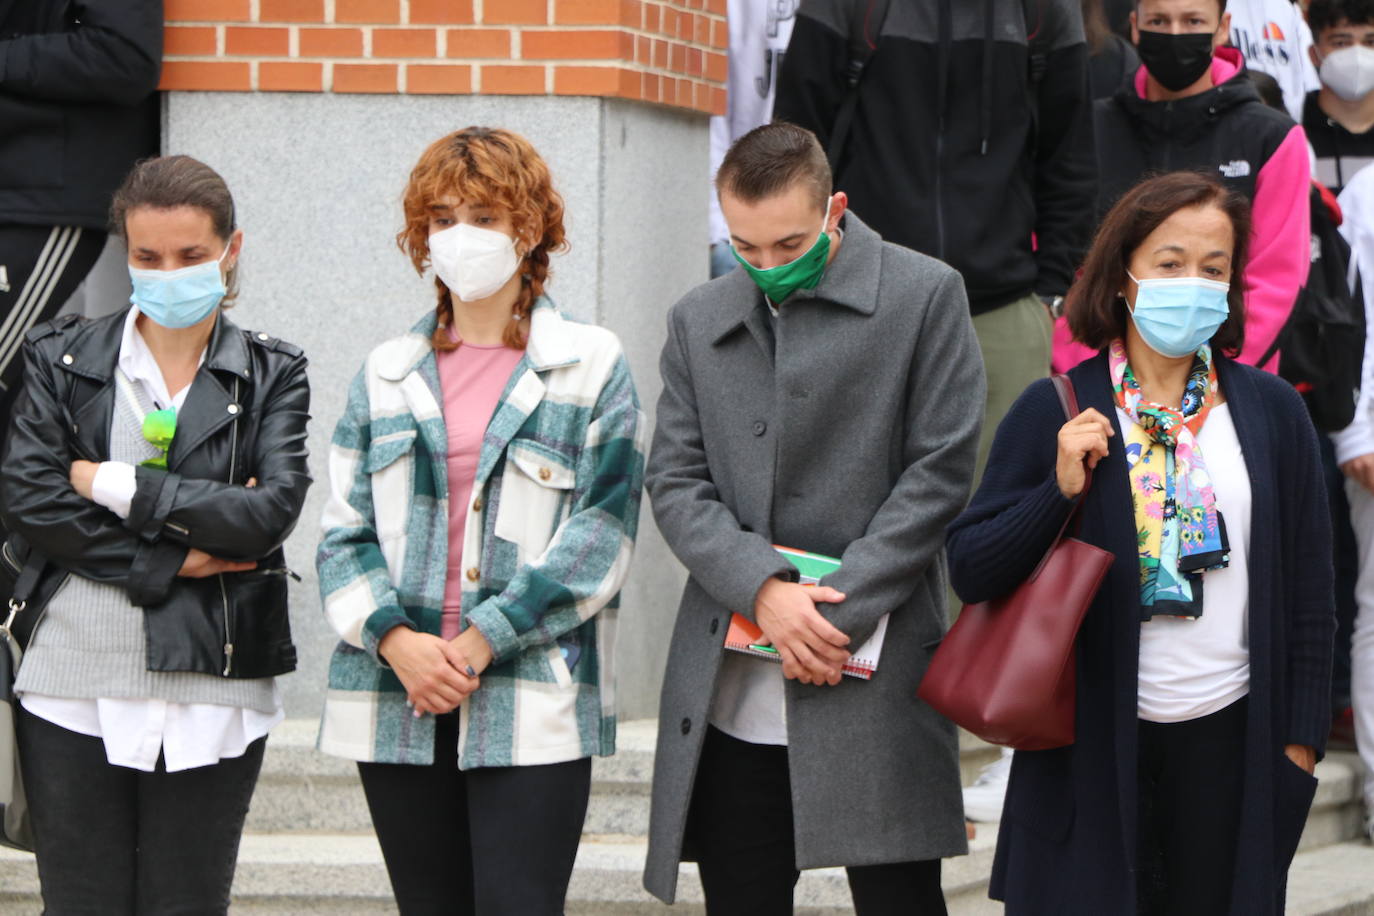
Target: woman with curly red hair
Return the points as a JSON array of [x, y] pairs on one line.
[[485, 482]]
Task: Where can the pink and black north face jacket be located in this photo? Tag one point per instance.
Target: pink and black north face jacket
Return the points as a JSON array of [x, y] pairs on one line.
[[1256, 150]]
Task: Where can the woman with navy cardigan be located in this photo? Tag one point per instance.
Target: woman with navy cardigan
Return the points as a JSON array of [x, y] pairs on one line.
[[1204, 662]]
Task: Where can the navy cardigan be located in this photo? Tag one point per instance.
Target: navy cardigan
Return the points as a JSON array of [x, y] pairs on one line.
[[1068, 837]]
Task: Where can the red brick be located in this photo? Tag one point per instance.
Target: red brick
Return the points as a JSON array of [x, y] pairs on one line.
[[720, 34], [717, 67], [405, 42], [209, 76], [653, 14], [478, 43], [446, 12], [246, 41], [331, 43], [443, 79], [515, 12], [365, 77], [718, 7], [570, 80], [382, 12], [507, 79], [642, 50], [677, 58], [189, 41], [717, 101], [290, 76], [660, 54], [649, 89], [586, 12], [291, 11], [582, 44], [207, 10], [702, 33]]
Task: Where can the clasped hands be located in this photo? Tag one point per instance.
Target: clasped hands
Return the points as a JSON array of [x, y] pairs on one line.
[[438, 674], [813, 651]]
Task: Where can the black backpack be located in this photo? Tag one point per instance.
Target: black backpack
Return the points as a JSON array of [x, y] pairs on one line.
[[866, 18], [1322, 343]]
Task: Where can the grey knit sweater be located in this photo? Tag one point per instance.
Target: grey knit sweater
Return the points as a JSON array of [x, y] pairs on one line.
[[90, 643]]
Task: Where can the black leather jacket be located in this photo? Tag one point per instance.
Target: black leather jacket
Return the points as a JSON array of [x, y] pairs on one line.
[[244, 417]]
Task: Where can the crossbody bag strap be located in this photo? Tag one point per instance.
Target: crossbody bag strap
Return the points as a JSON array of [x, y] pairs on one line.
[[23, 589], [1068, 400]]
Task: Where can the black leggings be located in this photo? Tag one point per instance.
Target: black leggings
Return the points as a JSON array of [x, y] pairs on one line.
[[489, 841], [113, 840], [740, 828], [1191, 778]]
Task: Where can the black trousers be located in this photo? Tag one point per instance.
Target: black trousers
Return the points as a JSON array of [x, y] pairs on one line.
[[40, 267], [112, 841], [1191, 776], [496, 841], [739, 829]]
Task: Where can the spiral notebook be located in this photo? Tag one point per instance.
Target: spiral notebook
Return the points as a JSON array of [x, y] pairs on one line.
[[743, 635]]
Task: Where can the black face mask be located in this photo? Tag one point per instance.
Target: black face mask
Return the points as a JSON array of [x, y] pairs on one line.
[[1175, 61]]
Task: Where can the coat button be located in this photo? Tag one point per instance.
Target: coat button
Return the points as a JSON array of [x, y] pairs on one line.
[[67, 359], [262, 336], [686, 726], [233, 409], [760, 427], [545, 473], [474, 574], [477, 504], [715, 625]]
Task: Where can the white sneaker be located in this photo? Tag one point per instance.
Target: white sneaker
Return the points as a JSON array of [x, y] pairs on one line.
[[983, 800]]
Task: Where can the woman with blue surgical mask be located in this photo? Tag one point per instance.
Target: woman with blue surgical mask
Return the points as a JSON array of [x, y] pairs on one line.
[[1204, 663], [155, 465]]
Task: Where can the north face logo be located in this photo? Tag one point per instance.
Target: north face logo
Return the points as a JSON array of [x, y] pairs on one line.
[[1236, 168]]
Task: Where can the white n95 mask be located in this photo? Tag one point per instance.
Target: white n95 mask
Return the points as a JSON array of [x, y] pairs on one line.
[[473, 262], [1349, 72]]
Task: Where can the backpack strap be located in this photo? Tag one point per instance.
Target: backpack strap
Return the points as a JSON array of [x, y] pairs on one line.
[[866, 18]]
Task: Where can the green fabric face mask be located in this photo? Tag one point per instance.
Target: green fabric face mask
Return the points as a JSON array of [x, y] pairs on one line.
[[804, 272]]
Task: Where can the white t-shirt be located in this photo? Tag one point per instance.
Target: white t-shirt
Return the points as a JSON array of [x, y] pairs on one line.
[[1274, 38], [1193, 668]]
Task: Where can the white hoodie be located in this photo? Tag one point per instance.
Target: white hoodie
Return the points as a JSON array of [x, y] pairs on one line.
[[1357, 207], [759, 32]]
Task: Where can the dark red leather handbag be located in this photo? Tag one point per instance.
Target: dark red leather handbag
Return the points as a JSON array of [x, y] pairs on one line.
[[1005, 671]]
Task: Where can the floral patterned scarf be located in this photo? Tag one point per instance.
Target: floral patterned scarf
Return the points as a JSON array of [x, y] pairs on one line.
[[1179, 532]]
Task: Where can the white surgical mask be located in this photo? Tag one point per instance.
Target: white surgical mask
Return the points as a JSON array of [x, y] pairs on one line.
[[473, 262], [1349, 72]]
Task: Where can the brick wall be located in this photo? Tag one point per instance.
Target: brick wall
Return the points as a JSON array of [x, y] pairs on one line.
[[670, 52]]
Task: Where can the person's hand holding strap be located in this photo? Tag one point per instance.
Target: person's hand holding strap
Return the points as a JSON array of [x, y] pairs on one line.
[[1361, 470], [1084, 438], [1303, 756], [813, 651]]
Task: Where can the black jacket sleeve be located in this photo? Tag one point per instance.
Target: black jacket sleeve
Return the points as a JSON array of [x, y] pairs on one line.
[[811, 81], [1065, 157], [225, 519], [1018, 509], [40, 503], [112, 54]]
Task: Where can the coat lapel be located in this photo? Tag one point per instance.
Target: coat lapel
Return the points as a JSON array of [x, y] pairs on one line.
[[217, 393]]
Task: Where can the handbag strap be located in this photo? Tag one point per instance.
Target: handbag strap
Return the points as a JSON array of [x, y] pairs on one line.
[[1063, 386], [23, 589]]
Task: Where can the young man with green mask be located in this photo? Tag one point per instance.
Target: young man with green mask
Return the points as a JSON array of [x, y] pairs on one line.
[[827, 397]]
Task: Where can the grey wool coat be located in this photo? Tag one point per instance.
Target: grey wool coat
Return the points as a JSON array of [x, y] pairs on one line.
[[856, 441]]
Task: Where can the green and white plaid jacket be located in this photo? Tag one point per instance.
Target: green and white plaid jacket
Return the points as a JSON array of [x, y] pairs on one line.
[[545, 551]]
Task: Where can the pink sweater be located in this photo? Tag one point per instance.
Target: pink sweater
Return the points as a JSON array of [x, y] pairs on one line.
[[1280, 243], [471, 379]]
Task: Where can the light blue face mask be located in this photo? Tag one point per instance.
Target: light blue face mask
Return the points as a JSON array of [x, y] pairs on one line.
[[178, 298], [1177, 315]]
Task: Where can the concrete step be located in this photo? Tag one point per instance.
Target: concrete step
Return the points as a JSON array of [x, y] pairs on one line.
[[287, 874], [303, 791]]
